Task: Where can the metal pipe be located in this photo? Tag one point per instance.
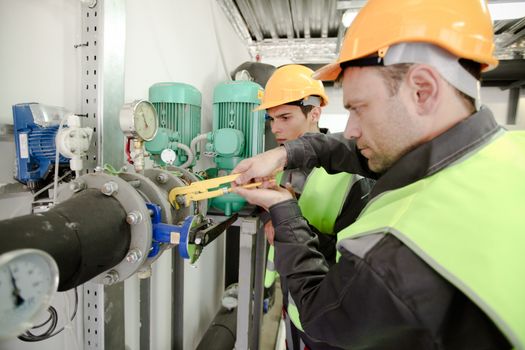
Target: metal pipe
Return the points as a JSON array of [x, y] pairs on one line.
[[86, 235], [222, 331], [260, 265]]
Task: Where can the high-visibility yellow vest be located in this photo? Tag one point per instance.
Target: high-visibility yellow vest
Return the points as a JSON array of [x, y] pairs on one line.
[[468, 223], [323, 198]]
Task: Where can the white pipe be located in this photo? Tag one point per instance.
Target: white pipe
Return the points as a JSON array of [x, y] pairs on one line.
[[196, 140], [188, 152]]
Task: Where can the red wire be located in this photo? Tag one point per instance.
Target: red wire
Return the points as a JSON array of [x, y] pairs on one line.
[[128, 151]]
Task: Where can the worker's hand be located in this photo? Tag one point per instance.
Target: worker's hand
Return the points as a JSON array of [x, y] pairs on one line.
[[261, 167], [264, 197], [269, 231]]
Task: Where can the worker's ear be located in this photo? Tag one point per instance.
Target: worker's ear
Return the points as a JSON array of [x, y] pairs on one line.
[[425, 85], [315, 114]]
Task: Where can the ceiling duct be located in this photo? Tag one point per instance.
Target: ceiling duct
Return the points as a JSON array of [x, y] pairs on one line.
[[310, 31]]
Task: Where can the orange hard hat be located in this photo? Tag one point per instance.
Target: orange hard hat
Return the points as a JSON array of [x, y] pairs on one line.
[[462, 27], [291, 83]]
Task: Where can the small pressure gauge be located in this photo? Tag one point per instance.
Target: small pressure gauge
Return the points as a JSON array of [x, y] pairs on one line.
[[139, 120], [168, 156], [28, 280]]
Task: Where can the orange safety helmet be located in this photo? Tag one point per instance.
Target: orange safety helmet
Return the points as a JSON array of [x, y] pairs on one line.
[[291, 83], [462, 27]]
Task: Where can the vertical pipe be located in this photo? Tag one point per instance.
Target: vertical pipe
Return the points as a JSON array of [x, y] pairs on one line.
[[177, 302], [260, 257], [145, 307]]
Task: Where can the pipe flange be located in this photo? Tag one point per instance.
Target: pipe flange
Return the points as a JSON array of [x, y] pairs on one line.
[[151, 193], [167, 181], [131, 201]]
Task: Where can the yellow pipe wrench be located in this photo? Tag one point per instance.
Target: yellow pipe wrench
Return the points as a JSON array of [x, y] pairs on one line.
[[199, 190]]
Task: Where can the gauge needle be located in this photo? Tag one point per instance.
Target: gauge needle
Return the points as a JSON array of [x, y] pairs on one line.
[[144, 118], [16, 292]]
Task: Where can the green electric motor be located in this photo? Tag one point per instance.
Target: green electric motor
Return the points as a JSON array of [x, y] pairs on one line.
[[238, 133], [178, 106]]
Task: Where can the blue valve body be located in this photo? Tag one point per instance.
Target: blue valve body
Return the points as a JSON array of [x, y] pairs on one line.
[[162, 232]]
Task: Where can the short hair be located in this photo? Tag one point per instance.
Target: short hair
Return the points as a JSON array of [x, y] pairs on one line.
[[306, 109], [394, 74]]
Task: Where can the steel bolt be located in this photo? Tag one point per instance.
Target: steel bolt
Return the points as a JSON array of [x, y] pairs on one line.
[[134, 217], [198, 241], [77, 186], [111, 277], [181, 200], [109, 188], [162, 178], [134, 255]]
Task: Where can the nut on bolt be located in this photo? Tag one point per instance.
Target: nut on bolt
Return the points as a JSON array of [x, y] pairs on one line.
[[134, 217], [134, 255], [162, 178], [111, 277], [109, 188]]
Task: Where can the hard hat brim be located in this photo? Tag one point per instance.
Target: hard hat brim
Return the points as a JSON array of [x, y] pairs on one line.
[[330, 72]]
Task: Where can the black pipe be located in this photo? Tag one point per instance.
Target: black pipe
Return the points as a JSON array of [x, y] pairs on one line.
[[222, 332], [86, 235]]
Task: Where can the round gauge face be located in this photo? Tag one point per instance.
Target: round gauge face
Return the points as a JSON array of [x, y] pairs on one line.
[[28, 280], [168, 156], [145, 120]]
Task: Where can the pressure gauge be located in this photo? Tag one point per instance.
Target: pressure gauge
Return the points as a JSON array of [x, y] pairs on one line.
[[168, 156], [139, 120], [28, 280]]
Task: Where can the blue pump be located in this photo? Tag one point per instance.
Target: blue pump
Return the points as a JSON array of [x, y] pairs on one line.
[[35, 128]]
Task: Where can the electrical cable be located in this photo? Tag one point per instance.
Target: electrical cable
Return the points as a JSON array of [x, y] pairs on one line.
[[57, 156], [28, 336], [128, 151], [67, 173], [189, 153]]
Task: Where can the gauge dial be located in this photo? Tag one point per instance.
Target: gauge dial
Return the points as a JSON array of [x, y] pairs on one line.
[[28, 280], [139, 120], [168, 156]]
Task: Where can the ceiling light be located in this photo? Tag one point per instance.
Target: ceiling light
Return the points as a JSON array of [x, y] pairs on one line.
[[506, 10], [348, 17]]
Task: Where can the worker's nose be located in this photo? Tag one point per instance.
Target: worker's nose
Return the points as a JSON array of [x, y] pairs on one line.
[[353, 129], [275, 127]]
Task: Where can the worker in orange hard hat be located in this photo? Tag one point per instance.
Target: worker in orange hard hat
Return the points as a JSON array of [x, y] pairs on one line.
[[434, 260], [293, 101]]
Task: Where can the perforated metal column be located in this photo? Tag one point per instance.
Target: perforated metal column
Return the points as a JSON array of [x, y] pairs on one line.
[[93, 316], [89, 82], [102, 94]]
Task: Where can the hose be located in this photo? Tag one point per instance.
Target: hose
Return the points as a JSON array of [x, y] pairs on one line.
[[196, 140], [188, 152]]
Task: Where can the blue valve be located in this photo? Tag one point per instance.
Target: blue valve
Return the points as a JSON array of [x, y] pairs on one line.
[[162, 232]]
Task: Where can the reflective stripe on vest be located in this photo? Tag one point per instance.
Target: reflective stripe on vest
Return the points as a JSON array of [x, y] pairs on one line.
[[467, 222], [323, 198], [270, 274], [293, 313]]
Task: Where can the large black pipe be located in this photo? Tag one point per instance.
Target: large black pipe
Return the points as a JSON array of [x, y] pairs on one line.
[[86, 235], [222, 332]]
